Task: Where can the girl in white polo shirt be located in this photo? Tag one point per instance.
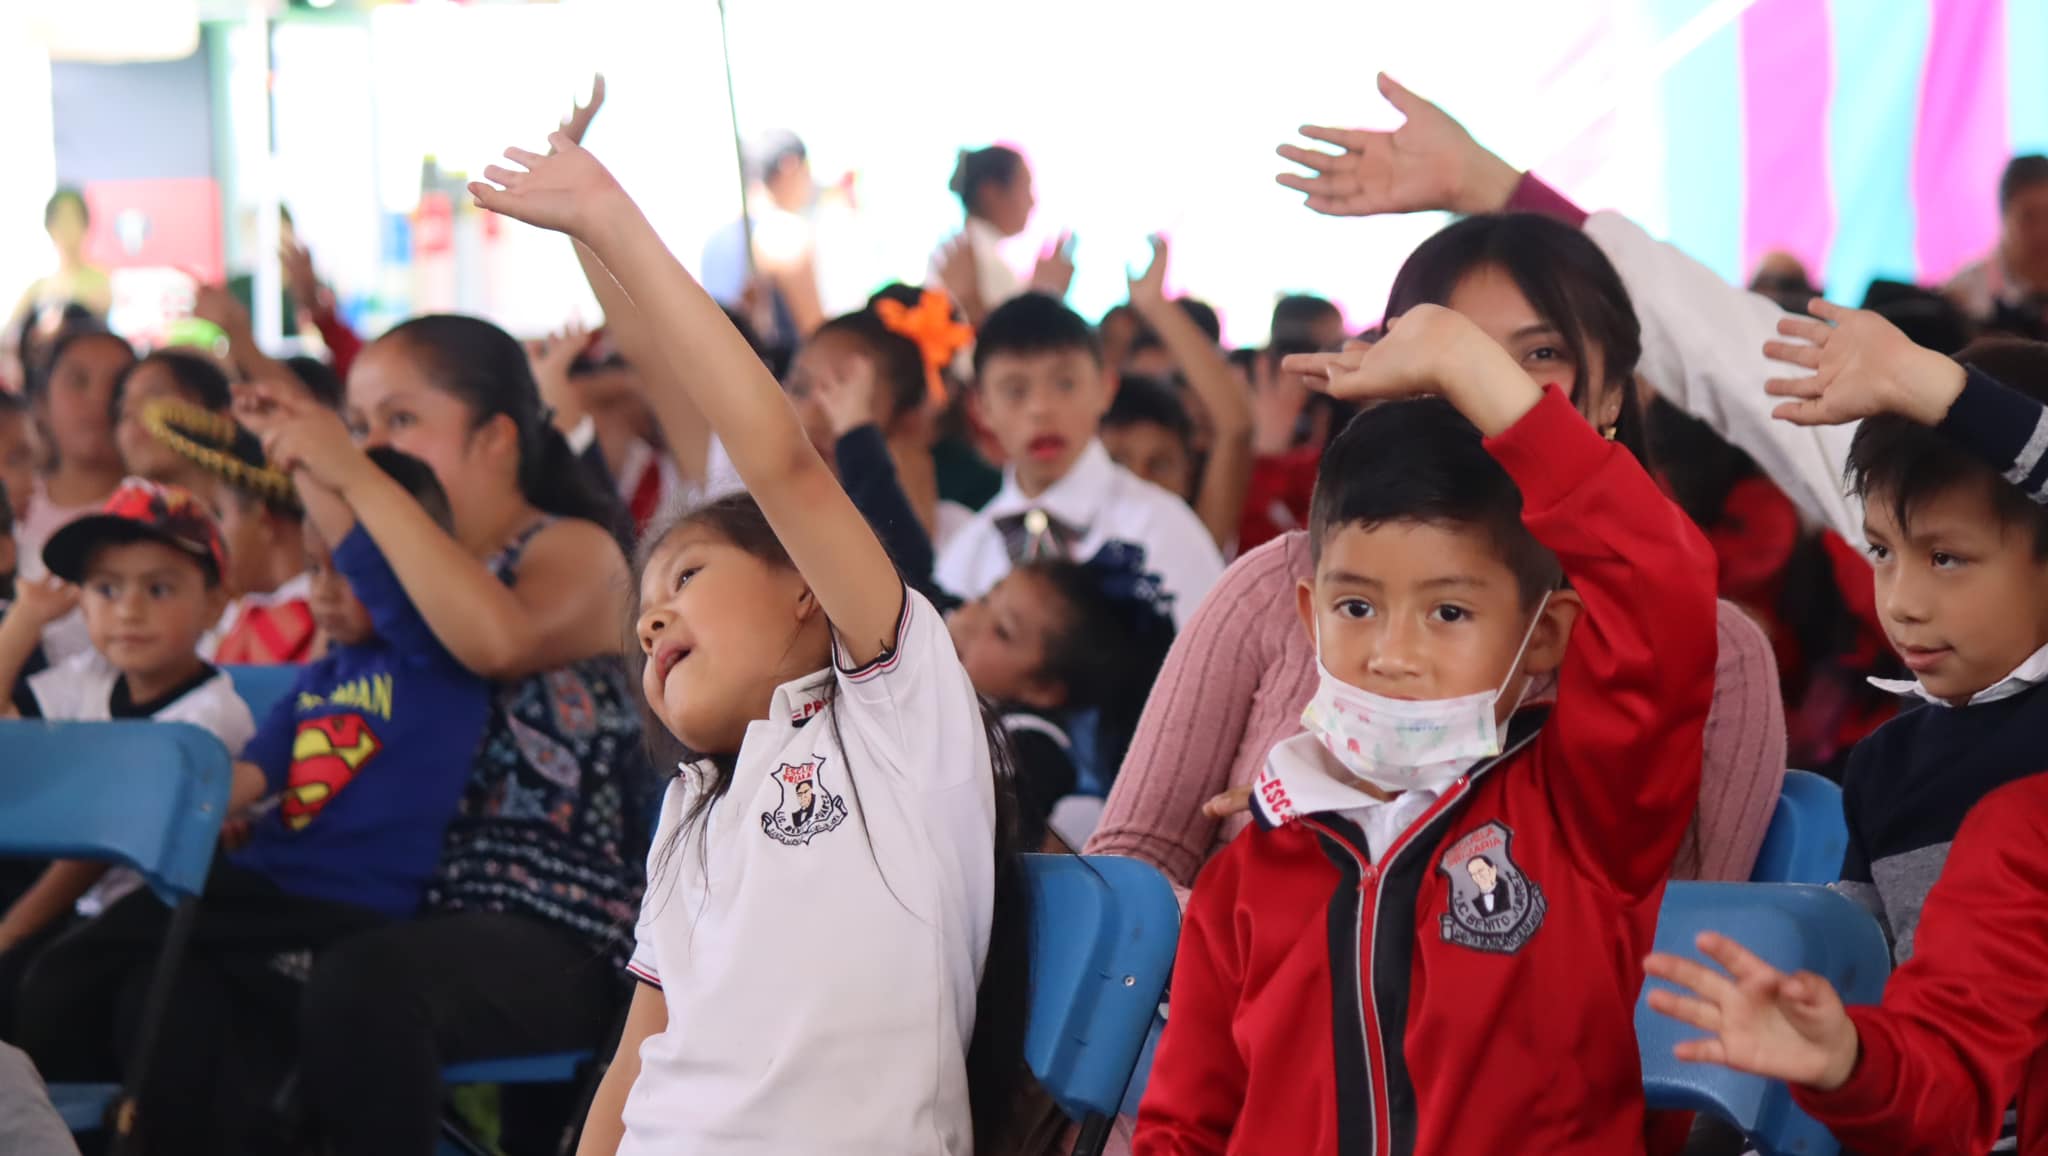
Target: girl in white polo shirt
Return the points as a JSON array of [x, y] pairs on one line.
[[832, 901]]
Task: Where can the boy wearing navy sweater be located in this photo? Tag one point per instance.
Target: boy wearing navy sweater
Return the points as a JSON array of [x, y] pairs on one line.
[[358, 771], [1952, 462], [1441, 896]]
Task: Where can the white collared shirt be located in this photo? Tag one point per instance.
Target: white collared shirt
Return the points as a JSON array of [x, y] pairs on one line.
[[1105, 503], [819, 947], [1301, 778], [2030, 673]]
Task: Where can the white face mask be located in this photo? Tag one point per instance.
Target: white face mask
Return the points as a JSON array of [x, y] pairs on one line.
[[1398, 745]]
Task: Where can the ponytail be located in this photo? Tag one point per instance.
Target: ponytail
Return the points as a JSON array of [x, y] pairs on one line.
[[976, 169], [485, 367]]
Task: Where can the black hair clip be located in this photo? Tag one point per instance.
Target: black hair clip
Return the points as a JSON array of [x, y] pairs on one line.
[[1119, 569]]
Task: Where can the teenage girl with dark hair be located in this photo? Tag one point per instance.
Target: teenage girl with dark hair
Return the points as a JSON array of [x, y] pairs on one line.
[[540, 873], [866, 818]]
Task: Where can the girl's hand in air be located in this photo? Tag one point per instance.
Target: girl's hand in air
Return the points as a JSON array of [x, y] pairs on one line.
[[580, 115], [846, 392], [1758, 1019], [566, 190], [1430, 162], [1148, 289], [550, 358], [1863, 366], [1054, 273]]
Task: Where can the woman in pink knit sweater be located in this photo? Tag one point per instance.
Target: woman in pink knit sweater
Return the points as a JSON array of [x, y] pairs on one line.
[[1243, 668]]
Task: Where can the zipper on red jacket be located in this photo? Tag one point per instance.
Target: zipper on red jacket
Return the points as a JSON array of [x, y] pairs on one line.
[[1344, 844]]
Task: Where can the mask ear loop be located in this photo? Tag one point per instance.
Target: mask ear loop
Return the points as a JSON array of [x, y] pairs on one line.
[[1520, 652]]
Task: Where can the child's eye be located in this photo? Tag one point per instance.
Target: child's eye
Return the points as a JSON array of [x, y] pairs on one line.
[[160, 590], [400, 420], [1877, 553], [684, 575], [1945, 561], [1451, 614], [1355, 608], [1066, 385]]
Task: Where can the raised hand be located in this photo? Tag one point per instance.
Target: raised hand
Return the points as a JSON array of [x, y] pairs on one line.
[[43, 600], [1430, 162], [1278, 398], [1758, 1019], [1863, 366], [215, 304], [550, 357], [846, 392], [580, 115], [1412, 358], [1148, 289], [299, 275], [566, 190], [1054, 273]]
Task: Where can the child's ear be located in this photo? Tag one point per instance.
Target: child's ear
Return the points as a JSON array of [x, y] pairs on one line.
[[1553, 632], [806, 605], [1305, 606]]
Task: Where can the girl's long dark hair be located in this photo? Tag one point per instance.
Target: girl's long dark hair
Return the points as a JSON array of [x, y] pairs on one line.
[[1567, 280], [996, 1071], [484, 366]]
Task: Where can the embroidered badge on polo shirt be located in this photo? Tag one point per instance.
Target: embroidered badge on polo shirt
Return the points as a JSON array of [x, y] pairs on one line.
[[806, 808], [1493, 906]]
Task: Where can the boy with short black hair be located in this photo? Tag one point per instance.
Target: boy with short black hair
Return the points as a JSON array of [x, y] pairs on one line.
[[1951, 460], [1147, 431], [1441, 895], [146, 570], [1042, 388]]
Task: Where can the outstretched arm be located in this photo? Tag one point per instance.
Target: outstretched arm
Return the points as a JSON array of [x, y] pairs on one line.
[[1220, 501], [832, 547]]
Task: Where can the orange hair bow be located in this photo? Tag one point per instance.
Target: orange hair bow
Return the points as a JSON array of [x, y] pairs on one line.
[[930, 326]]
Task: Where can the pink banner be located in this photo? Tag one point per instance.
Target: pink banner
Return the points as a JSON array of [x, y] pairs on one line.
[[1960, 147], [1787, 79]]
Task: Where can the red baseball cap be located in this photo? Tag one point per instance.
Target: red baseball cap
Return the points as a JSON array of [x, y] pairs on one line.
[[141, 510]]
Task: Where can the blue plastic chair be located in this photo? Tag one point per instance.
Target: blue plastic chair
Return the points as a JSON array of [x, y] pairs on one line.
[[1103, 933], [262, 686], [1808, 835], [148, 795], [1134, 1092], [1792, 927]]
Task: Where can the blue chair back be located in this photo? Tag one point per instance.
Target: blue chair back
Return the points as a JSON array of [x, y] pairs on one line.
[[263, 686], [1808, 834], [1103, 933], [1792, 927], [147, 794]]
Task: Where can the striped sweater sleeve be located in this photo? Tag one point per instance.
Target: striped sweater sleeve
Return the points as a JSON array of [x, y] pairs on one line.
[[2004, 427]]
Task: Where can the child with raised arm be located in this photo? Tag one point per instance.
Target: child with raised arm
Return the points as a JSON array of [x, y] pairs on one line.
[[831, 880], [1948, 458], [1442, 896]]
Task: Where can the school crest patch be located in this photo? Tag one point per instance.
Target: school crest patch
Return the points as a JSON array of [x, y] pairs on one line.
[[1493, 905], [806, 808]]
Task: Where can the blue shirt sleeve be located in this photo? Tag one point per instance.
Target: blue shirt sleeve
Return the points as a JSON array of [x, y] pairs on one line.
[[376, 586], [2004, 427]]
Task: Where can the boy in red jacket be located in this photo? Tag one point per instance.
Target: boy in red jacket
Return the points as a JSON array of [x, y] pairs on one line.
[[1429, 941]]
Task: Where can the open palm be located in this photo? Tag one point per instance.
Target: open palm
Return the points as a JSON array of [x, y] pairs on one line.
[[1862, 365], [1758, 1019], [566, 190], [1430, 162]]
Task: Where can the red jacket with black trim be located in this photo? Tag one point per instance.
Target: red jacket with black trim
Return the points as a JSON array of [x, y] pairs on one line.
[[1964, 1023], [1324, 1003]]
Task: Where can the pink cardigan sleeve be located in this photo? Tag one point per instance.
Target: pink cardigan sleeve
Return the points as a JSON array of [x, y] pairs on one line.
[[1198, 713], [1743, 764]]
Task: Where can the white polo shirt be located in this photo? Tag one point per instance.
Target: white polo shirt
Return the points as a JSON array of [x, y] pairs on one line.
[[1105, 503], [819, 941]]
